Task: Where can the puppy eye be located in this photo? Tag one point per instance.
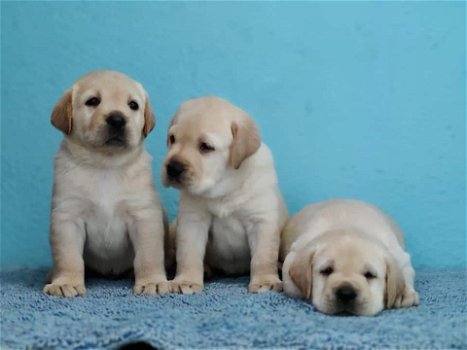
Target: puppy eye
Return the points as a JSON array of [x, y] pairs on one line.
[[205, 148], [172, 139], [93, 102], [327, 271], [133, 105], [369, 276]]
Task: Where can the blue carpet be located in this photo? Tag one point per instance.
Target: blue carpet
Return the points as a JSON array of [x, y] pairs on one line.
[[224, 315]]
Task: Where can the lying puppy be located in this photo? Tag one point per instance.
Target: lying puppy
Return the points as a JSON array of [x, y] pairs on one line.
[[231, 211], [106, 213], [346, 256]]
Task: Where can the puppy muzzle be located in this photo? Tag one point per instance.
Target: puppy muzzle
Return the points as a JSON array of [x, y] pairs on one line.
[[345, 297], [116, 130], [175, 171]]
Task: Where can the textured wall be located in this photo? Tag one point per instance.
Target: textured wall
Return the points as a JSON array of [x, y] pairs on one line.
[[355, 99]]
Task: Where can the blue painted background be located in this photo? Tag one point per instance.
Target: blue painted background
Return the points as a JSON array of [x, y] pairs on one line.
[[355, 99]]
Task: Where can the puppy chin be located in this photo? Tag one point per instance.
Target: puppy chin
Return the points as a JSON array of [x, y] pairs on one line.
[[115, 146], [168, 182], [175, 184], [104, 141], [360, 309], [116, 142]]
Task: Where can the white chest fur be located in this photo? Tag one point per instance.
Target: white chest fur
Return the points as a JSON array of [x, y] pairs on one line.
[[107, 225], [251, 196], [228, 247], [97, 199]]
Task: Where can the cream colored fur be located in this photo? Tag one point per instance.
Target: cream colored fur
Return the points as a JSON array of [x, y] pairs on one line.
[[106, 213], [231, 211], [349, 238]]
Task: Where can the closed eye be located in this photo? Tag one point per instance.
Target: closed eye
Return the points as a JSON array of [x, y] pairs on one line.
[[205, 147], [327, 271], [369, 275]]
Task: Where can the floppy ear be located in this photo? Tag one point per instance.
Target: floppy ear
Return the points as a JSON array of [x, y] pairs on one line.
[[301, 272], [246, 141], [395, 283], [149, 118], [61, 116]]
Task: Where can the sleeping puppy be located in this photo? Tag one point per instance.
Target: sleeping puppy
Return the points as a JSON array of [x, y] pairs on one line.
[[231, 211], [346, 256], [106, 213]]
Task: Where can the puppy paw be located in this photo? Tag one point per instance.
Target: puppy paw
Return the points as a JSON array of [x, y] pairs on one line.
[[185, 287], [64, 289], [151, 287], [265, 284], [409, 298]]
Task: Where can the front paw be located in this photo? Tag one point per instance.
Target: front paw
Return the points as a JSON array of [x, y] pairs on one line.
[[64, 289], [265, 284], [151, 287], [184, 286], [409, 298]]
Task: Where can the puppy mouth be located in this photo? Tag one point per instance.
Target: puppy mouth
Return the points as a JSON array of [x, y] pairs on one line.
[[115, 138], [116, 141], [345, 313], [334, 307], [177, 183], [350, 309]]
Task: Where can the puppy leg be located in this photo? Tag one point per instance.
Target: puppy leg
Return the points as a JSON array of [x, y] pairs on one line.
[[409, 297], [67, 275], [192, 236], [147, 237], [264, 240]]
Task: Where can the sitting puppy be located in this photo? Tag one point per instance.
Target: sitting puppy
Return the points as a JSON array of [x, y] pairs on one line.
[[106, 213], [346, 256], [231, 211]]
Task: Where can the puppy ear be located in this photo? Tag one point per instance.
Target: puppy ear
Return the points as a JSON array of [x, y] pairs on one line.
[[395, 283], [61, 116], [301, 272], [246, 141], [149, 118]]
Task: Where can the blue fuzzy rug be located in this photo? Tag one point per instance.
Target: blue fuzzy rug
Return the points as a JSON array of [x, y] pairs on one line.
[[223, 316]]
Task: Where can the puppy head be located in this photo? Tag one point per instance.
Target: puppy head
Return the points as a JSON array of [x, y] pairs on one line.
[[208, 139], [347, 274], [105, 110]]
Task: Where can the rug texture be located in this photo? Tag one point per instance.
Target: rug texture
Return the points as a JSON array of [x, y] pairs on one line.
[[223, 316]]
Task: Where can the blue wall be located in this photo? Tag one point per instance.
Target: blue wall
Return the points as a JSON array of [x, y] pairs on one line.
[[355, 99]]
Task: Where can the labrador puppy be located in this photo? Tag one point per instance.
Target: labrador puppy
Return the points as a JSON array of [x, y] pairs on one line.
[[346, 256], [231, 211], [106, 213]]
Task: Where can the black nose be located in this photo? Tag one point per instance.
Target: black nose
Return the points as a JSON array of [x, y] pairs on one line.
[[175, 169], [346, 294], [116, 120]]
